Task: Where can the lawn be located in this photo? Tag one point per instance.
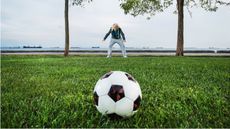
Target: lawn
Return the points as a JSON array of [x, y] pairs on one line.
[[53, 91]]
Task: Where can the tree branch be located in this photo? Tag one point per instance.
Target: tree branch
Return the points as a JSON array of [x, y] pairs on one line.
[[222, 2]]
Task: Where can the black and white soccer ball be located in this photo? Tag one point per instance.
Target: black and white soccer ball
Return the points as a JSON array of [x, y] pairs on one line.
[[117, 93]]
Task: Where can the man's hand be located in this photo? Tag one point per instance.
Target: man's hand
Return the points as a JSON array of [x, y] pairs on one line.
[[124, 41]]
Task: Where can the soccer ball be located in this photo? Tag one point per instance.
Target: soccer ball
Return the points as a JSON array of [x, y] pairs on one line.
[[117, 93]]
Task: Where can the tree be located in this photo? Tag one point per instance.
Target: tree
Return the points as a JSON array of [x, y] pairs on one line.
[[73, 2], [66, 53], [151, 7]]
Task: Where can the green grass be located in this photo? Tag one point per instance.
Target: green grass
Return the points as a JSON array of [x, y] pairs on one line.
[[53, 91]]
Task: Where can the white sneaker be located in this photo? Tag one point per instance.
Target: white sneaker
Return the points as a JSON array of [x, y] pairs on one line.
[[108, 56], [125, 56]]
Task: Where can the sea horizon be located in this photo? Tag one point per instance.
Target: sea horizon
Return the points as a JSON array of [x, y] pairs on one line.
[[29, 48]]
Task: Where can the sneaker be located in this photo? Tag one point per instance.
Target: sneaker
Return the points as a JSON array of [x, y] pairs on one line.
[[125, 56], [108, 56]]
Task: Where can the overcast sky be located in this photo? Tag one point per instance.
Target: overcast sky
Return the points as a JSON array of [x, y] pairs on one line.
[[41, 22]]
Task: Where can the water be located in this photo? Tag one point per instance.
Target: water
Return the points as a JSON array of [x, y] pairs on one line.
[[104, 50], [89, 49]]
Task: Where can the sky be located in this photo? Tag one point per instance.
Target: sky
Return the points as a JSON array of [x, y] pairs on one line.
[[41, 22]]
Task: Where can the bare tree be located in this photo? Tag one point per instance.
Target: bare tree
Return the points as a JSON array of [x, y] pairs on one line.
[[73, 2]]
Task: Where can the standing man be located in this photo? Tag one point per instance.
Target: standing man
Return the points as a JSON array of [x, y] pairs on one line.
[[116, 33]]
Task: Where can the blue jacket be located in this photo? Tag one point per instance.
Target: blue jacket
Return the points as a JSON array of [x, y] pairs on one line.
[[116, 34]]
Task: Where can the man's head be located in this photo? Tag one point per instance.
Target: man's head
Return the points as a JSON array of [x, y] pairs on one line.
[[115, 26]]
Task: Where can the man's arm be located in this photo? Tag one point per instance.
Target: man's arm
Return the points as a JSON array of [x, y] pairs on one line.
[[122, 34], [107, 34]]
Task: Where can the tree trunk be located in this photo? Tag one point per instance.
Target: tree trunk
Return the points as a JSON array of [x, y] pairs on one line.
[[180, 31], [66, 53]]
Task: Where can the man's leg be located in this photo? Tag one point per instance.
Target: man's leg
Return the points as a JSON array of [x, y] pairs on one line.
[[121, 43], [110, 48]]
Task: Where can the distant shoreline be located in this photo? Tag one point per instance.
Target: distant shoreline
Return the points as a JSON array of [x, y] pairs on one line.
[[117, 51], [133, 52]]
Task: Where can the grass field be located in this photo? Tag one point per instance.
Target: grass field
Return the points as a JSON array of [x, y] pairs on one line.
[[53, 91]]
